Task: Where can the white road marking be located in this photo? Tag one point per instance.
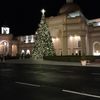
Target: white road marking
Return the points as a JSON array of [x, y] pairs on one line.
[[68, 91], [28, 84], [79, 93]]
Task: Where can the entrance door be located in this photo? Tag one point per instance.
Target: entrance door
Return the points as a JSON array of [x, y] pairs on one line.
[[14, 50]]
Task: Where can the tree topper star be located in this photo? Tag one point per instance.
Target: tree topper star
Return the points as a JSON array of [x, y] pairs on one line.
[[43, 11]]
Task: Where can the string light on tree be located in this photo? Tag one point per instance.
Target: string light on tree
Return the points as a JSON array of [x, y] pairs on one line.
[[43, 45]]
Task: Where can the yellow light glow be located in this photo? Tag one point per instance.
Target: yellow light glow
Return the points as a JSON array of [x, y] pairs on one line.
[[53, 39], [43, 11], [28, 51], [76, 51], [57, 39], [77, 37], [71, 38], [26, 41], [22, 51], [97, 53]]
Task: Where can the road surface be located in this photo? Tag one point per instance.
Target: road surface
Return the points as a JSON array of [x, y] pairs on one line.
[[49, 82]]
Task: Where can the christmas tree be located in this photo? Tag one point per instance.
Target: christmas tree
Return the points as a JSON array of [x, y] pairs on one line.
[[43, 45]]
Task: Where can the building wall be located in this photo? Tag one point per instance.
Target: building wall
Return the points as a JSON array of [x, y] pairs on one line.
[[12, 47], [5, 44], [56, 27], [74, 35], [70, 36], [63, 28]]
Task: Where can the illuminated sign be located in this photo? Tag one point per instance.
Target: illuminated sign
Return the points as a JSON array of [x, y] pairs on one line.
[[5, 30]]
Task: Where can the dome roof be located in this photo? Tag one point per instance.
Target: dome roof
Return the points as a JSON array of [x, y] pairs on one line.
[[69, 7]]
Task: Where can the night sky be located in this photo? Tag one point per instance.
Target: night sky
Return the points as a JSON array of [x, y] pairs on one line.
[[23, 16]]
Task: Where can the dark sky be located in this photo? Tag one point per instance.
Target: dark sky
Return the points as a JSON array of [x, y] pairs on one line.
[[23, 16]]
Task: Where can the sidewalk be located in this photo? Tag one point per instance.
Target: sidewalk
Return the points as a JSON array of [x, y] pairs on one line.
[[31, 61]]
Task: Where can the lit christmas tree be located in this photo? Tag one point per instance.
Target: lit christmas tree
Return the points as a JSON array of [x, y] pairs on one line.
[[43, 45]]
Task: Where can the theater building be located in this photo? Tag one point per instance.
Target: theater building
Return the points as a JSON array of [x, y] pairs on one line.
[[72, 34], [10, 45]]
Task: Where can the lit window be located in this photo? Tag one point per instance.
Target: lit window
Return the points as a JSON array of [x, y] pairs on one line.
[[97, 53], [71, 38], [77, 38], [28, 51], [32, 38], [23, 51], [26, 41], [74, 14]]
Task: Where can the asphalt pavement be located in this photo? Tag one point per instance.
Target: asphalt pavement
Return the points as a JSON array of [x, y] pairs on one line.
[[49, 80]]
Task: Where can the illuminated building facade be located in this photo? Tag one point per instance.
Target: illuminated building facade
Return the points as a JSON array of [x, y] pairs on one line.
[[72, 33], [10, 45]]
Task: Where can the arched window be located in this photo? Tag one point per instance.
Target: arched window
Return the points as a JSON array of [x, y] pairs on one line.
[[4, 47], [28, 51], [23, 52], [14, 50], [96, 48]]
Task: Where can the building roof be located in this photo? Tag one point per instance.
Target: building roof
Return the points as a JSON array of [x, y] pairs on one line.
[[94, 22], [68, 8]]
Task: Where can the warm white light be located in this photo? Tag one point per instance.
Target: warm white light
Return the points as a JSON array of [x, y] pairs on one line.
[[71, 38], [97, 53], [5, 30], [43, 11], [26, 41], [22, 51], [98, 24], [28, 52], [57, 39], [74, 14], [76, 51], [36, 32], [77, 38], [32, 38], [1, 48], [53, 39]]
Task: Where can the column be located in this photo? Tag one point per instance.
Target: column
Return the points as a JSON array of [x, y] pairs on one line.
[[83, 44], [10, 49], [64, 45], [87, 45]]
